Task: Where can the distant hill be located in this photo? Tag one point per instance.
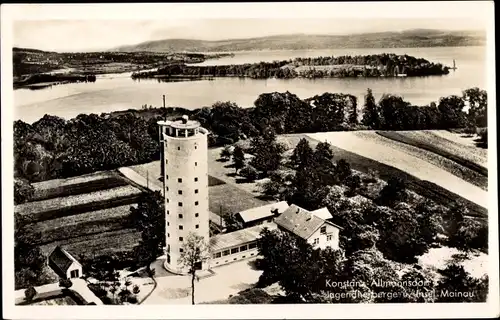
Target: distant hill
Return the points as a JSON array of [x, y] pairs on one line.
[[404, 39]]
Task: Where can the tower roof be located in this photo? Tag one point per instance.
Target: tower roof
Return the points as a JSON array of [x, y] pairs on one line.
[[185, 123]]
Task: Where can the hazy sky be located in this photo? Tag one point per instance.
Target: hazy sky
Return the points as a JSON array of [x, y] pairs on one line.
[[97, 29]]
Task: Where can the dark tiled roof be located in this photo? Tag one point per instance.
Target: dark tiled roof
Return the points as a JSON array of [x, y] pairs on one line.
[[60, 261], [299, 221]]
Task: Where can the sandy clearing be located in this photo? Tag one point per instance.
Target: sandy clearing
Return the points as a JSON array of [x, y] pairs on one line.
[[405, 162], [476, 264]]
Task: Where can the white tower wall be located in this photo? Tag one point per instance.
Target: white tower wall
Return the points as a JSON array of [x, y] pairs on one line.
[[185, 187]]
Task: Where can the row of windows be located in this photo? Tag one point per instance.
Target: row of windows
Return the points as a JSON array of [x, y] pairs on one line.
[[180, 214], [180, 179], [195, 163], [328, 238], [180, 203], [235, 250], [180, 191], [179, 148]]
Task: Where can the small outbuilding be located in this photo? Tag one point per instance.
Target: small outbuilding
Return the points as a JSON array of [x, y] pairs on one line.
[[259, 215], [64, 264]]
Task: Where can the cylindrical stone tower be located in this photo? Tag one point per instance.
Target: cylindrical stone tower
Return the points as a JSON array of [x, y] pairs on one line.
[[185, 183]]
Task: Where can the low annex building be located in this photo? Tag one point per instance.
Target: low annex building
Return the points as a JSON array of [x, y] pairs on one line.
[[260, 215], [64, 264], [237, 245], [318, 232]]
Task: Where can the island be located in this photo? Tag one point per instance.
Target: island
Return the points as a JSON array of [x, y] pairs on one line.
[[379, 65]]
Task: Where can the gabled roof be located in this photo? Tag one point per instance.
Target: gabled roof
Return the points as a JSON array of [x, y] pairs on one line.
[[322, 213], [299, 221], [262, 212], [60, 260]]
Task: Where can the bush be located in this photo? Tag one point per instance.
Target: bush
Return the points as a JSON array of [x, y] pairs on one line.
[[132, 299], [23, 191], [249, 172], [30, 293], [65, 283], [98, 290]]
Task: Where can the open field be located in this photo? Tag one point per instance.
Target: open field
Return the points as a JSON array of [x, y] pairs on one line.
[[444, 163], [94, 245], [467, 156], [380, 152], [231, 200], [365, 164], [71, 205], [77, 185], [83, 224], [463, 139]]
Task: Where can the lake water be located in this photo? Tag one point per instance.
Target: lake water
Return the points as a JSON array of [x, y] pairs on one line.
[[119, 91]]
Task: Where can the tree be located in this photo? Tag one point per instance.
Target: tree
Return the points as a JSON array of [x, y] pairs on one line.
[[65, 283], [225, 153], [456, 285], [471, 234], [23, 191], [267, 151], [238, 158], [195, 252], [249, 172], [302, 154], [393, 192], [136, 289], [149, 218], [371, 115], [342, 170], [353, 182], [29, 260], [478, 106], [30, 293]]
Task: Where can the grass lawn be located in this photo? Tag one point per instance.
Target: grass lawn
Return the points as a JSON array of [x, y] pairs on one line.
[[231, 199]]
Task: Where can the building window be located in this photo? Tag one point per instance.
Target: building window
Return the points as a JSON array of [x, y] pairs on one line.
[[180, 204], [178, 148], [323, 229], [167, 188], [195, 190], [180, 239], [196, 203], [196, 179], [196, 164], [168, 235], [225, 252], [168, 248], [197, 226], [166, 160], [234, 250], [252, 245], [217, 255], [168, 258], [74, 273], [168, 200], [243, 248], [180, 191], [180, 215], [316, 241], [180, 227], [168, 211], [328, 238], [196, 147], [168, 223], [196, 215], [181, 250], [179, 180], [167, 176]]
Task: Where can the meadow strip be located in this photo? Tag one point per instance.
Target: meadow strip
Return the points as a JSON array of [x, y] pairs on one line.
[[463, 155], [59, 207], [430, 157]]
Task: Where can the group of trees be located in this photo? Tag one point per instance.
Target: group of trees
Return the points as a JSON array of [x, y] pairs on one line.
[[309, 275], [394, 113], [55, 148]]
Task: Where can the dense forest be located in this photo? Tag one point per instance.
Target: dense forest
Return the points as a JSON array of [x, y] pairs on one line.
[[381, 65], [53, 147]]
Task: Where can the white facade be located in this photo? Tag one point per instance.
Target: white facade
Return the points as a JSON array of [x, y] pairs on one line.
[[74, 271], [326, 236], [185, 181]]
